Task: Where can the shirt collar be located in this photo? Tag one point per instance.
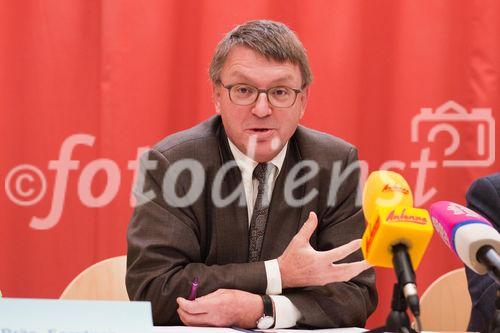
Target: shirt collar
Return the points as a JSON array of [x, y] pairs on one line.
[[247, 165]]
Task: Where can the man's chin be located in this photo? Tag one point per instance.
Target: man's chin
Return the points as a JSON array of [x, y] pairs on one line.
[[265, 155], [262, 150]]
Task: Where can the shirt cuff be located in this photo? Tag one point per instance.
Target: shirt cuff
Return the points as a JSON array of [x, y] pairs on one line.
[[273, 277], [286, 314]]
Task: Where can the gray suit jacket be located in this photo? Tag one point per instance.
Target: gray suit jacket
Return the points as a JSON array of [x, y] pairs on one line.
[[168, 246]]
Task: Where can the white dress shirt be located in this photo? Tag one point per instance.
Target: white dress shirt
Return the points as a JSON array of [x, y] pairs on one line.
[[287, 314]]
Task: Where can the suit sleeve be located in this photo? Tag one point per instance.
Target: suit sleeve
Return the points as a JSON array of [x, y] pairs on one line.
[[164, 253], [484, 198], [340, 304]]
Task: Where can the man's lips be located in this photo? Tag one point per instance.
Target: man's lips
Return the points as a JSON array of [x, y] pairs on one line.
[[260, 129], [260, 133]]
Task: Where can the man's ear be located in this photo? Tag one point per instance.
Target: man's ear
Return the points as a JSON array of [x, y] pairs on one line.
[[303, 98], [216, 97]]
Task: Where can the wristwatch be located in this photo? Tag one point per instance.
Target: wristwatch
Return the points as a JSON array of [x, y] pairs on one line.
[[267, 319]]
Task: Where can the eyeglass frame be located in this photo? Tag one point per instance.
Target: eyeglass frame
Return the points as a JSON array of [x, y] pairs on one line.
[[260, 91]]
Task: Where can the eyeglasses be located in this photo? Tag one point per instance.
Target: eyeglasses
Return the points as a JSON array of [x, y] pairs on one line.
[[244, 94]]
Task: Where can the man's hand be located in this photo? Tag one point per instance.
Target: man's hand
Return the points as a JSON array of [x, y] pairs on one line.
[[302, 266], [222, 308]]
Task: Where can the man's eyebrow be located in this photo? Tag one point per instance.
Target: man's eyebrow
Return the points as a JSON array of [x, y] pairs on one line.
[[285, 78], [242, 76], [238, 75]]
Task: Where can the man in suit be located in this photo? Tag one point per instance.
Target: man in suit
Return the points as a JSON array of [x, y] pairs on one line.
[[483, 197], [261, 210]]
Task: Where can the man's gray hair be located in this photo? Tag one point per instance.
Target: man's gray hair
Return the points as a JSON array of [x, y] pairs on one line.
[[273, 40]]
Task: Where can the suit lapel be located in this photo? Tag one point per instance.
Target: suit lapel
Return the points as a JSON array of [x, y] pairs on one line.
[[231, 221]]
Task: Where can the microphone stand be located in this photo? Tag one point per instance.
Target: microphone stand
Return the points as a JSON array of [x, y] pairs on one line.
[[403, 268], [398, 320], [495, 321]]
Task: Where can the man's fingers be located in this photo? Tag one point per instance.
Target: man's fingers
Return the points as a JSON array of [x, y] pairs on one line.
[[183, 315], [207, 299], [347, 271], [308, 228], [192, 307], [193, 319], [343, 251]]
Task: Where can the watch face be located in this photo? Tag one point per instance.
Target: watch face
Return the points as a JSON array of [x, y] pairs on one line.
[[265, 322]]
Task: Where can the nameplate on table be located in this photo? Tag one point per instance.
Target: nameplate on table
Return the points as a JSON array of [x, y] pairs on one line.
[[21, 315]]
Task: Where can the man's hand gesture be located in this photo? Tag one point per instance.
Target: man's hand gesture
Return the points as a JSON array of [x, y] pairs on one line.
[[302, 266]]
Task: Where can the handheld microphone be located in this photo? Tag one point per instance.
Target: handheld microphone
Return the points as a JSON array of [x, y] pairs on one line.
[[470, 236], [397, 234], [392, 219]]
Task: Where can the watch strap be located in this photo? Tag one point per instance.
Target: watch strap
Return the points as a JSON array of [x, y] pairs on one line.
[[268, 306]]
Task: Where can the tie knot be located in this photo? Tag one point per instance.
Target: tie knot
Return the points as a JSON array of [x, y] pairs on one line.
[[262, 171]]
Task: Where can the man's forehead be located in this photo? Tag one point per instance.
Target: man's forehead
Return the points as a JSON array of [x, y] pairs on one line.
[[244, 63]]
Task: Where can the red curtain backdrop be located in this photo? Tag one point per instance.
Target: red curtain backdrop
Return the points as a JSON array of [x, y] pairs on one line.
[[126, 73]]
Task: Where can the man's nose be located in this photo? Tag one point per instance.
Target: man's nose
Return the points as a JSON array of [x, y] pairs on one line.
[[262, 108]]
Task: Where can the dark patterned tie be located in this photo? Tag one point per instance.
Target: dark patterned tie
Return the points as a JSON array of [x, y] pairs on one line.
[[260, 211]]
